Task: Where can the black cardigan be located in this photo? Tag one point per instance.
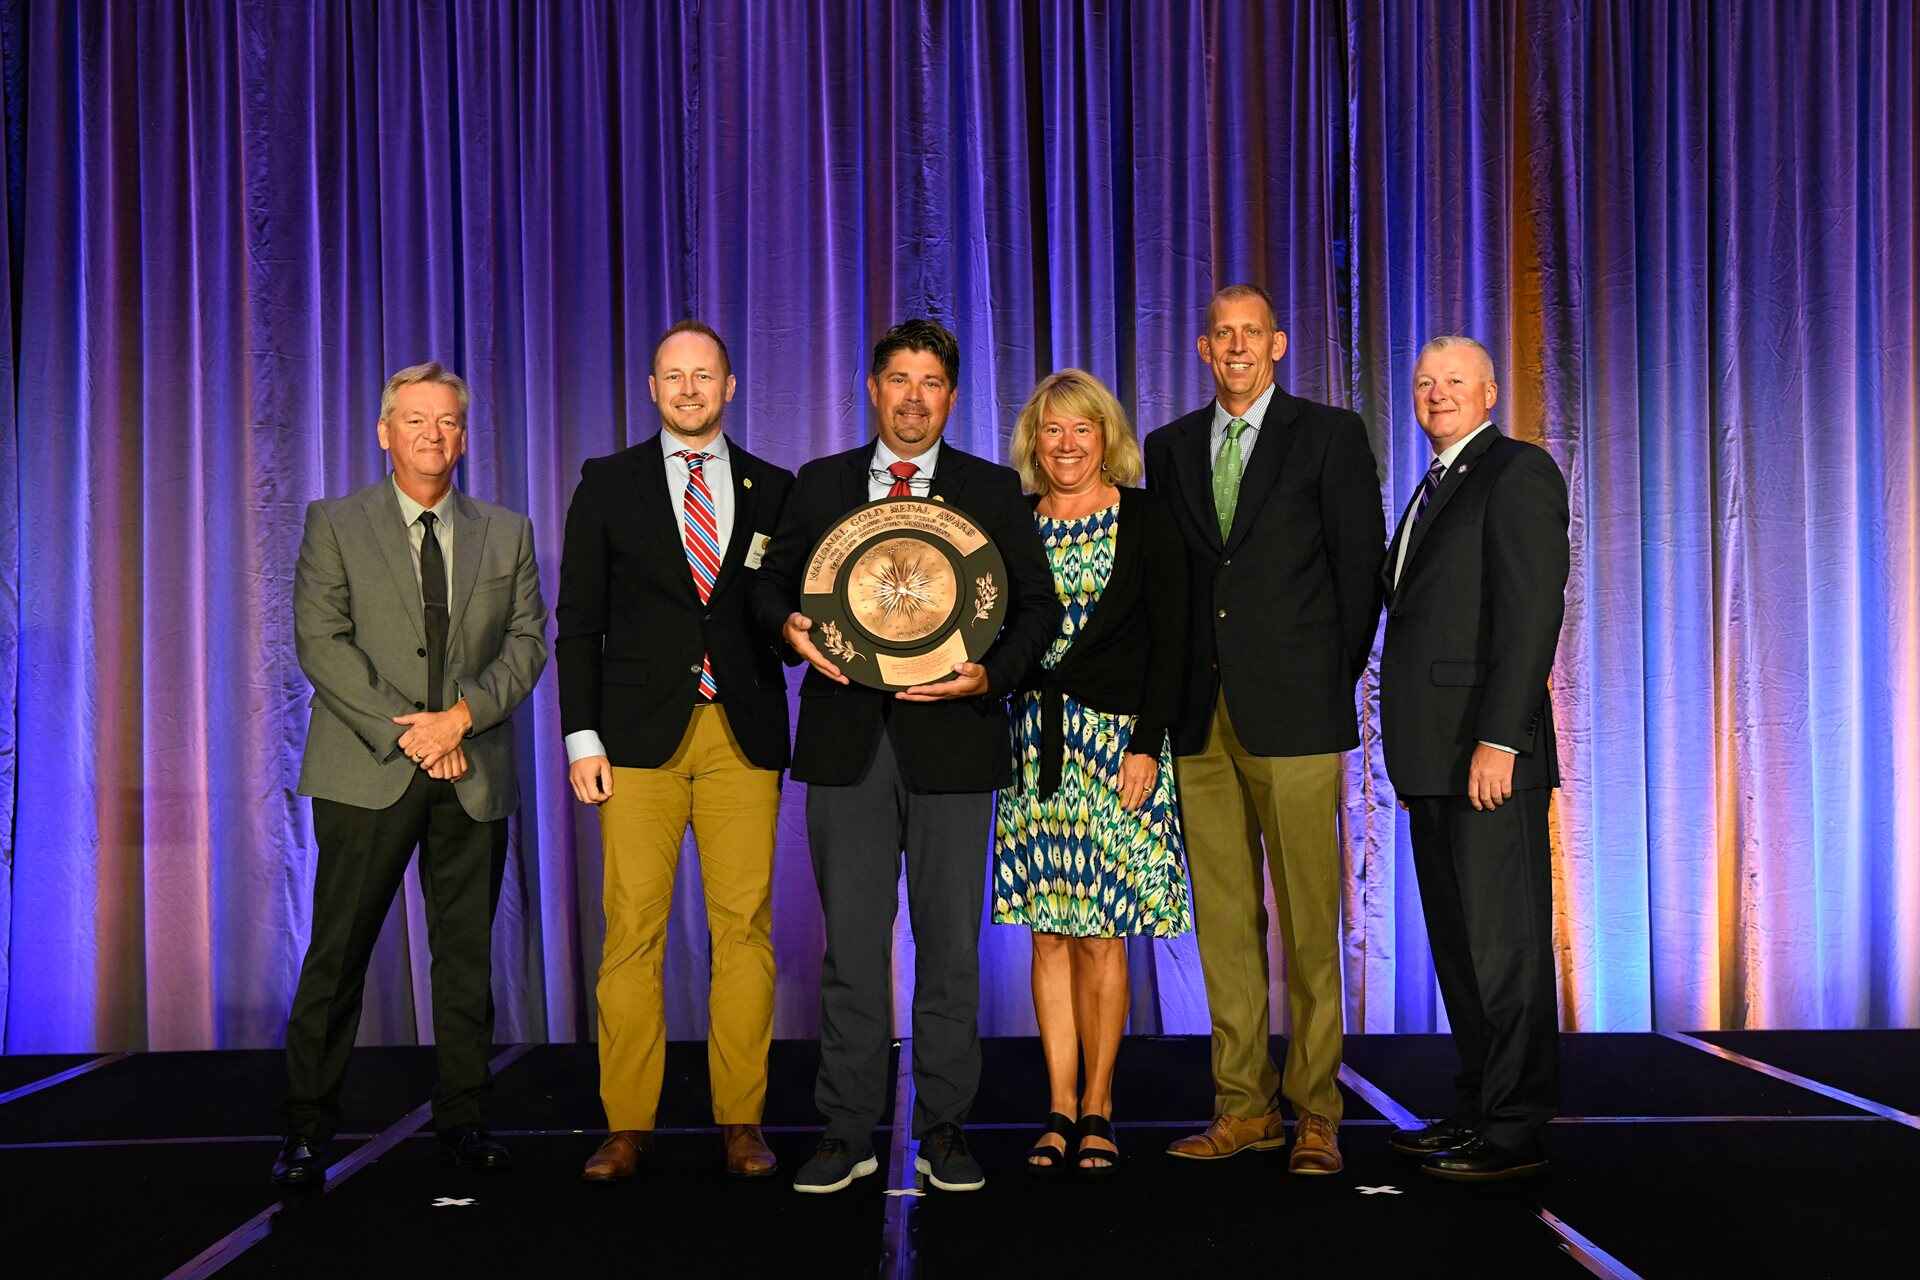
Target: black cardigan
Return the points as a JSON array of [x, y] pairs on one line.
[[1131, 658]]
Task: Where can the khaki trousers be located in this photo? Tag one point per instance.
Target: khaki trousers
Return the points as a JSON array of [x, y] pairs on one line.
[[733, 806], [1229, 800]]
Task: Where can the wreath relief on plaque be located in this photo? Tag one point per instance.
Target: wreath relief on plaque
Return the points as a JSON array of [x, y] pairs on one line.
[[902, 590]]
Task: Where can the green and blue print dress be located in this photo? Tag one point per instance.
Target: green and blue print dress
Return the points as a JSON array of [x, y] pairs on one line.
[[1076, 862]]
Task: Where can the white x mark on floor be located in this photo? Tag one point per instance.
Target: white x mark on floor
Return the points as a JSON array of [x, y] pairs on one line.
[[452, 1202], [1378, 1191]]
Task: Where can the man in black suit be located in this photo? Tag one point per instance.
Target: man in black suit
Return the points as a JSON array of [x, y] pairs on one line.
[[675, 712], [913, 772], [1477, 578], [1278, 501]]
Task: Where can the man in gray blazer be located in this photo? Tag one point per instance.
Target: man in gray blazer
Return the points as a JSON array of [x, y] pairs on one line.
[[418, 618]]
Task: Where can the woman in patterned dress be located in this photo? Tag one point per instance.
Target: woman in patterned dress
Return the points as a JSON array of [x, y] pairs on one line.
[[1087, 842]]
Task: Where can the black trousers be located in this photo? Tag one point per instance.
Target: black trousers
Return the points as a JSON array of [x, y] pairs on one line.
[[858, 834], [363, 857], [1486, 883]]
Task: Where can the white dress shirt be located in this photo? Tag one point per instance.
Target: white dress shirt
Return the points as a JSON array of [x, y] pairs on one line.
[[1255, 417], [717, 471], [1446, 458], [883, 457]]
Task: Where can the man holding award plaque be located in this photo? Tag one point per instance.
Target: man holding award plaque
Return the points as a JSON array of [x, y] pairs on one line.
[[909, 576]]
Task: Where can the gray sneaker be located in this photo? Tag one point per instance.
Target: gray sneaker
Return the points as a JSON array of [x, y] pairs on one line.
[[945, 1160], [832, 1167]]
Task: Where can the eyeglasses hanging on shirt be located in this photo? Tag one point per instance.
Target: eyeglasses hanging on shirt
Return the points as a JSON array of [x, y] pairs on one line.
[[917, 484]]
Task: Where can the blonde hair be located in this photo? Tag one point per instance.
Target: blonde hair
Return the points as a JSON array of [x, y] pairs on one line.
[[1075, 393], [431, 371]]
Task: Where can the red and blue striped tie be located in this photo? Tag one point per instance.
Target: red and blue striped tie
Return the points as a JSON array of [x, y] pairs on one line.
[[702, 531]]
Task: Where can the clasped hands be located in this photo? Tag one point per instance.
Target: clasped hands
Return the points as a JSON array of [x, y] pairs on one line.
[[432, 740], [968, 680]]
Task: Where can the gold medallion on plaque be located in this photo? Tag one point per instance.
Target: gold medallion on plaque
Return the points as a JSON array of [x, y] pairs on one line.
[[902, 590]]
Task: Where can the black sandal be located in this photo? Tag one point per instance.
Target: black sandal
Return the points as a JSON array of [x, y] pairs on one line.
[[1093, 1126], [1049, 1162]]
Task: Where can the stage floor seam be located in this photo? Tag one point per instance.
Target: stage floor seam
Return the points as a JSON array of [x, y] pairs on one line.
[[1671, 1163], [1578, 1247], [1795, 1078], [223, 1251]]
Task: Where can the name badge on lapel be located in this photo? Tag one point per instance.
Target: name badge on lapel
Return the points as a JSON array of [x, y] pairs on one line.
[[757, 550]]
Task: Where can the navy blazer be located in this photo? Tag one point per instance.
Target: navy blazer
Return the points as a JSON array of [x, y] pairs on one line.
[[631, 625], [1473, 625]]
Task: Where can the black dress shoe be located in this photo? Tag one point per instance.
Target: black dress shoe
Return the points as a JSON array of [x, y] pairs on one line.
[[298, 1163], [1435, 1139], [471, 1147], [1482, 1161]]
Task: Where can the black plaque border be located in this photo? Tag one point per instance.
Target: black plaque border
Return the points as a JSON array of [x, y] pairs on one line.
[[828, 609]]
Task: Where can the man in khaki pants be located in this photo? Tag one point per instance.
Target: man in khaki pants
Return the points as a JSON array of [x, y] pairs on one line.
[[675, 712], [1278, 501]]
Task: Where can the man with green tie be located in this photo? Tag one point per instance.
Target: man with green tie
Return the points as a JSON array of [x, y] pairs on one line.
[[1278, 501]]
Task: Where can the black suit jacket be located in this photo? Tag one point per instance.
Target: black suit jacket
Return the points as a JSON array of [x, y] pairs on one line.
[[959, 745], [1473, 624], [631, 625], [1282, 611], [1131, 657]]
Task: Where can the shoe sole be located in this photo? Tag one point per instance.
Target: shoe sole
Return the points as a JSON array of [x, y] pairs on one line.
[[606, 1179], [753, 1175], [1503, 1175], [1265, 1144], [1316, 1173], [923, 1165], [860, 1170]]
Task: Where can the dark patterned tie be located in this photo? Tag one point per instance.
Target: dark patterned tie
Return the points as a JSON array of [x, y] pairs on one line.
[[433, 594], [702, 534], [1429, 485], [902, 472]]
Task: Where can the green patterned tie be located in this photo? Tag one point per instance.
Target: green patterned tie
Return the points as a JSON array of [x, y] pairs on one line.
[[1226, 476]]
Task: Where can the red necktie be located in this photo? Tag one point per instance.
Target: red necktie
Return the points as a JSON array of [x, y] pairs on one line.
[[901, 473], [702, 533]]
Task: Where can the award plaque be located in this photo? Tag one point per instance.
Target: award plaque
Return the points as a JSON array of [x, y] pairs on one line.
[[902, 590]]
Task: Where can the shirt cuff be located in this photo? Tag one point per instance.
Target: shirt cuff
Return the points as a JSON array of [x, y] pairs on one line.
[[583, 744], [1483, 742]]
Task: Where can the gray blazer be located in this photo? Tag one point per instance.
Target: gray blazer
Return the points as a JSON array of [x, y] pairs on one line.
[[359, 626]]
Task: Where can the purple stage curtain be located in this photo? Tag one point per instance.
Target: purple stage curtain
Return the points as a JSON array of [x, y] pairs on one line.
[[1685, 229]]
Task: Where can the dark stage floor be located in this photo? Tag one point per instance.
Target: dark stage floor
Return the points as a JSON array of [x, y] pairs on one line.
[[1763, 1153]]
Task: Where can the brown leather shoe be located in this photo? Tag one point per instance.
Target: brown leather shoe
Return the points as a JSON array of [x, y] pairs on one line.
[[1316, 1146], [618, 1157], [748, 1155], [1230, 1135]]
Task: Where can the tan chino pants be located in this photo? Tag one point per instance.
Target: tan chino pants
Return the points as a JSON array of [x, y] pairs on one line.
[[733, 806], [1229, 801]]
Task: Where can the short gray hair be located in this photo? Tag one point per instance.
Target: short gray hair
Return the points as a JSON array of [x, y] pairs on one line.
[[1446, 340], [431, 371]]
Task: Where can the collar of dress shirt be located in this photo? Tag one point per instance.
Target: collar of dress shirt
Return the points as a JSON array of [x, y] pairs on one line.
[[671, 444], [1446, 456], [410, 510], [928, 462], [1255, 415]]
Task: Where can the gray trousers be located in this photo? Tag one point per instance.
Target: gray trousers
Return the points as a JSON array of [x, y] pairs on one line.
[[858, 834]]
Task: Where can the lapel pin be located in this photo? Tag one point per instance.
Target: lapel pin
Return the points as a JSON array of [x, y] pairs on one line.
[[746, 482]]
